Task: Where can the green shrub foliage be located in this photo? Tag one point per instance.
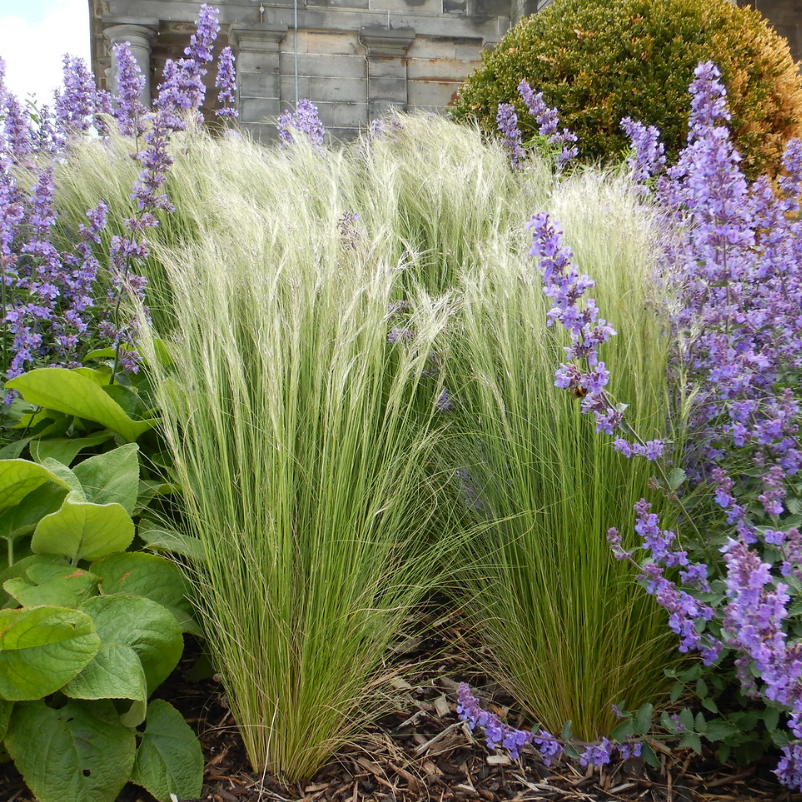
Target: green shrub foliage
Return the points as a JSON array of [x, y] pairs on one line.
[[601, 60]]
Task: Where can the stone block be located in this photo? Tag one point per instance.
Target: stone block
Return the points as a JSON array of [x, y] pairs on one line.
[[258, 109], [313, 66], [334, 43], [257, 84], [254, 62], [425, 47], [431, 95], [261, 132], [330, 90], [440, 69], [343, 115], [470, 53], [385, 69], [388, 89]]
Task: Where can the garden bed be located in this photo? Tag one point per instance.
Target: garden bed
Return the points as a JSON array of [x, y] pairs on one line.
[[421, 751]]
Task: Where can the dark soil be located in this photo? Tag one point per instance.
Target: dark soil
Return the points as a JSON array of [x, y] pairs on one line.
[[421, 751]]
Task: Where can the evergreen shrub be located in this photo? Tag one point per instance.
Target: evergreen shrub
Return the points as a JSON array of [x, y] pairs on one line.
[[598, 61]]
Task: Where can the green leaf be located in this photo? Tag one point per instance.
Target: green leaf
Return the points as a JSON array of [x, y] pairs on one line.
[[54, 585], [719, 730], [709, 704], [623, 731], [66, 475], [42, 648], [701, 688], [77, 753], [700, 724], [158, 538], [73, 394], [148, 628], [99, 377], [648, 754], [18, 477], [771, 718], [676, 691], [675, 478], [22, 519], [686, 719], [169, 759], [20, 567], [5, 716], [111, 477], [643, 719], [84, 531], [692, 740], [115, 673], [65, 449], [151, 576]]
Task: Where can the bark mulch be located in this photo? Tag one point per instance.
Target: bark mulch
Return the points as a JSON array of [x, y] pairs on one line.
[[421, 751]]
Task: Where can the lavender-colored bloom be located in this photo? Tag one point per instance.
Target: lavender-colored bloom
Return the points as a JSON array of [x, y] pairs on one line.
[[507, 123], [548, 120], [563, 284], [444, 402], [226, 82], [75, 106], [303, 122], [649, 155], [128, 109]]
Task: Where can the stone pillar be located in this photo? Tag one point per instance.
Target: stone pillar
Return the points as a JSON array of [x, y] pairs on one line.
[[258, 48], [139, 36], [387, 67]]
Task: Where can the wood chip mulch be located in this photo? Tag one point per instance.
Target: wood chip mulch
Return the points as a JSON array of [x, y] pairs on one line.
[[421, 751]]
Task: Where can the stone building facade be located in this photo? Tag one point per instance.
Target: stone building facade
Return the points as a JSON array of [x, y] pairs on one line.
[[355, 59]]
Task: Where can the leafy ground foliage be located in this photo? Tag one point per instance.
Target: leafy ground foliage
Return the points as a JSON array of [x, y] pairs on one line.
[[279, 398]]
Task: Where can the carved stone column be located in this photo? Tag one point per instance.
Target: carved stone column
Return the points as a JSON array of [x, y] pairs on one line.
[[258, 49], [139, 36], [387, 67]]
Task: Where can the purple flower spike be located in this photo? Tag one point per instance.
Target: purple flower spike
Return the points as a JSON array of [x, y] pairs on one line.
[[128, 109], [226, 82], [548, 120], [303, 122], [507, 123]]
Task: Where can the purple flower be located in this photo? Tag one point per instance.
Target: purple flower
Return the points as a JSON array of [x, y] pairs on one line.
[[648, 157], [304, 122], [548, 120], [226, 82], [128, 109], [507, 123]]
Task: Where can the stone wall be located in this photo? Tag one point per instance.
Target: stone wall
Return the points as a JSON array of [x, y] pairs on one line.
[[355, 59]]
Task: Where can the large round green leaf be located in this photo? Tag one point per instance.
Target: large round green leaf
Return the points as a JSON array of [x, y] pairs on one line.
[[42, 648], [54, 585], [148, 628], [169, 759], [111, 477], [81, 530], [115, 673], [139, 574], [73, 394], [77, 753], [18, 477]]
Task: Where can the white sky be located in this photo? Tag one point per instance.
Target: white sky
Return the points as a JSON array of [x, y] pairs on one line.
[[34, 35]]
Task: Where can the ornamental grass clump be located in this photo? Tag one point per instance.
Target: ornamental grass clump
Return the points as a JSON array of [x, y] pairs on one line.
[[568, 632], [302, 434]]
